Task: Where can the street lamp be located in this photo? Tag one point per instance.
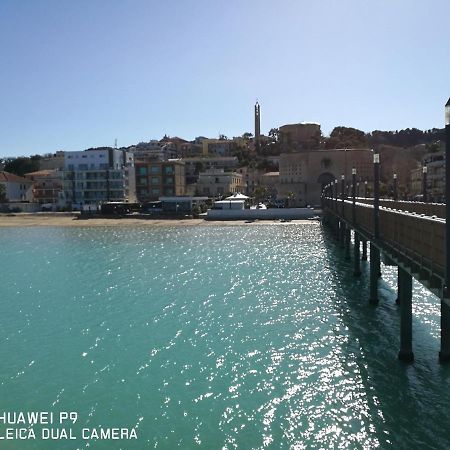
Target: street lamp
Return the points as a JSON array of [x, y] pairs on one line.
[[395, 195], [354, 193], [424, 183], [365, 189], [376, 193]]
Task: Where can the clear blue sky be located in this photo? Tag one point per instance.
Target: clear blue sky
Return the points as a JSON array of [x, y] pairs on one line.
[[76, 74]]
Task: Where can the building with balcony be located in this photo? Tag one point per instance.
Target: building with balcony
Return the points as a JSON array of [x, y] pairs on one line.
[[47, 186], [160, 178], [95, 176], [435, 163]]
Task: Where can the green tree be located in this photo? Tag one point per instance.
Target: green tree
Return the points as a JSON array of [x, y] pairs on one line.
[[22, 165], [346, 137]]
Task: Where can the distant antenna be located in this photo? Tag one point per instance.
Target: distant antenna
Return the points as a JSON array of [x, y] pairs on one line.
[[115, 143]]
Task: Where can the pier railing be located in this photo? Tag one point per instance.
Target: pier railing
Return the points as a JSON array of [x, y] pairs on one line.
[[429, 209], [407, 234]]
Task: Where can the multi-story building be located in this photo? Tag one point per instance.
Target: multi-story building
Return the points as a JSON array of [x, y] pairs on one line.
[[15, 188], [47, 186], [153, 151], [218, 147], [95, 176], [303, 174], [191, 149], [159, 178], [435, 163], [217, 182], [416, 185], [199, 164]]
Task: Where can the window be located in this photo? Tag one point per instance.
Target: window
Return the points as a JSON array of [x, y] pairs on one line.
[[143, 181], [155, 180], [155, 191], [142, 170], [169, 180], [168, 169], [154, 169]]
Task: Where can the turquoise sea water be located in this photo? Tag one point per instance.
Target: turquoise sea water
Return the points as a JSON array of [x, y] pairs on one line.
[[245, 337]]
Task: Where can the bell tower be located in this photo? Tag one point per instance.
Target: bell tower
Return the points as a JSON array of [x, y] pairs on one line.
[[257, 126]]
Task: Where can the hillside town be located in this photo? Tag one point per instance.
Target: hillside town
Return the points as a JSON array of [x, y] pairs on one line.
[[287, 168]]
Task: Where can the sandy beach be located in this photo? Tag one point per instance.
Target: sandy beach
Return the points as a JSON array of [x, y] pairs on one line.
[[72, 220]]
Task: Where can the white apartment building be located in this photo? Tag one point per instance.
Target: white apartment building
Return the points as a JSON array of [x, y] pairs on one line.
[[98, 175]]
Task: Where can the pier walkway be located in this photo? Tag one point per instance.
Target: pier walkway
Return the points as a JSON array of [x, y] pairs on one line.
[[409, 235]]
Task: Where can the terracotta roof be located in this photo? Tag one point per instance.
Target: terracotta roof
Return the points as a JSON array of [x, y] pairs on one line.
[[41, 172], [12, 178]]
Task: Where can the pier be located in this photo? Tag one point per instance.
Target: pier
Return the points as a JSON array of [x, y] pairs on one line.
[[408, 235]]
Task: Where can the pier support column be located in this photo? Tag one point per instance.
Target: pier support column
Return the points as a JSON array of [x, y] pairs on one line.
[[356, 257], [347, 243], [444, 354], [374, 274], [364, 250], [399, 287], [405, 286], [342, 234]]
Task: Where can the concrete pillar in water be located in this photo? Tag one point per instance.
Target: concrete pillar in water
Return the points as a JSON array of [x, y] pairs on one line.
[[444, 354], [364, 250], [399, 287], [374, 274], [343, 233], [356, 257], [405, 288], [347, 243]]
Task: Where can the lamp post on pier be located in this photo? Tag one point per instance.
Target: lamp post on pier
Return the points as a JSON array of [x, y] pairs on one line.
[[395, 195], [365, 189], [376, 194], [424, 184], [354, 191], [374, 250]]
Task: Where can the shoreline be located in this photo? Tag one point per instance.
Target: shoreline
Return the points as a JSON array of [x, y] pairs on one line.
[[71, 220]]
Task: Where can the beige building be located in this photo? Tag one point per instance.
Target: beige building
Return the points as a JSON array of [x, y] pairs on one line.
[[218, 147], [303, 174], [435, 163], [416, 181], [52, 162], [47, 186], [217, 182]]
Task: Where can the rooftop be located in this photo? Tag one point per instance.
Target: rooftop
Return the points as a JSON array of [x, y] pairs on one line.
[[12, 178]]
